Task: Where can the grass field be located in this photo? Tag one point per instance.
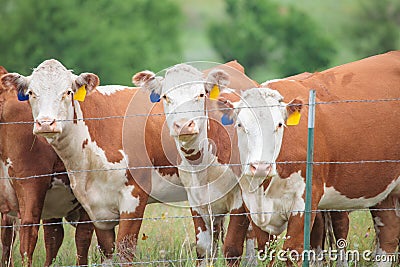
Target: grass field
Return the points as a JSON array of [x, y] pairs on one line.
[[168, 241]]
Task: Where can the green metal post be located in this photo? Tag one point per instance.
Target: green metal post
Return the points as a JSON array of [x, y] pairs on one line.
[[310, 159]]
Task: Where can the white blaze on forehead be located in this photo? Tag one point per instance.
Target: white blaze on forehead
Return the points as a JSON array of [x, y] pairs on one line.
[[50, 76], [181, 77]]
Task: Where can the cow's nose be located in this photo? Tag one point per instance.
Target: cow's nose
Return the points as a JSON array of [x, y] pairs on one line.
[[45, 125], [185, 127], [260, 168]]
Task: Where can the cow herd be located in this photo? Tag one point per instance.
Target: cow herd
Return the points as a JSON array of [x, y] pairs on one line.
[[206, 135]]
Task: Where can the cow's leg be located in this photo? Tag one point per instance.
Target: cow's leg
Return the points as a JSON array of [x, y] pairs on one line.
[[217, 232], [106, 240], [202, 226], [263, 240], [31, 201], [340, 224], [387, 228], [7, 239], [53, 237], [251, 253], [237, 229], [295, 232], [83, 237], [317, 238], [129, 226]]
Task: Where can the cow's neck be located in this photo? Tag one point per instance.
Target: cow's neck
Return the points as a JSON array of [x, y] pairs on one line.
[[69, 144], [75, 144], [81, 155], [198, 151]]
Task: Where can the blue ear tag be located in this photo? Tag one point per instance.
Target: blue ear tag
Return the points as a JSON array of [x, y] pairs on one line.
[[226, 120], [154, 97], [22, 96]]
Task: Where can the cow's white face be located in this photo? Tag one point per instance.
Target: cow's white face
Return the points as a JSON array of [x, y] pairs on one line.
[[183, 92], [260, 130], [183, 95], [50, 89]]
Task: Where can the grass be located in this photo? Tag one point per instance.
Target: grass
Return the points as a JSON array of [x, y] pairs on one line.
[[169, 241]]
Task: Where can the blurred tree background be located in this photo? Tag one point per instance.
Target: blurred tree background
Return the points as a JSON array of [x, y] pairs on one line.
[[271, 38], [110, 38]]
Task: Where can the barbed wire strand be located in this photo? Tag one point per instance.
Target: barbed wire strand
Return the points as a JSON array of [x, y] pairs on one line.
[[200, 165], [212, 110], [164, 218]]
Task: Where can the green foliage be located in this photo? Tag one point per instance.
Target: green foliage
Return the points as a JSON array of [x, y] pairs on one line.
[[376, 27], [113, 39], [260, 33]]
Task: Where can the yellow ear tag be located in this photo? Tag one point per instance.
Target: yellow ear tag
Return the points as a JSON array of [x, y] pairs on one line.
[[293, 119], [214, 92], [80, 94]]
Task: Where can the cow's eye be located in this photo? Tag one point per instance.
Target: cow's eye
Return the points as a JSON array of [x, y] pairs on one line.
[[280, 125], [239, 126], [167, 99], [31, 94], [67, 93], [201, 95]]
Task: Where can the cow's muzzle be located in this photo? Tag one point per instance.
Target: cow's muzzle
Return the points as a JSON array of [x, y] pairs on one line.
[[46, 126], [184, 128], [260, 169]]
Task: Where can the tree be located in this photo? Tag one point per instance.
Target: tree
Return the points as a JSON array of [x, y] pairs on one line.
[[113, 39], [261, 32], [376, 27]]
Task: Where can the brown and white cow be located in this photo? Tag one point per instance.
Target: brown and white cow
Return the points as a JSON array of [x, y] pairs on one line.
[[339, 221], [358, 134], [205, 147], [47, 197], [92, 149]]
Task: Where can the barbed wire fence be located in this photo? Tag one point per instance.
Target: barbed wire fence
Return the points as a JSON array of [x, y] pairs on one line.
[[174, 261]]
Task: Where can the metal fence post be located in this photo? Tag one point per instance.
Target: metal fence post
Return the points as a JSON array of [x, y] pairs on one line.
[[310, 159]]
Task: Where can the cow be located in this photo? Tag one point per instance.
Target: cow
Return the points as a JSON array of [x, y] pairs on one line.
[[335, 224], [108, 173], [44, 196], [205, 149], [356, 148]]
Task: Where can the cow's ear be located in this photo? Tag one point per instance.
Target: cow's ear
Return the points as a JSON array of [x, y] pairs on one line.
[[15, 81], [148, 81], [89, 80], [217, 80], [227, 108], [293, 109], [3, 71]]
